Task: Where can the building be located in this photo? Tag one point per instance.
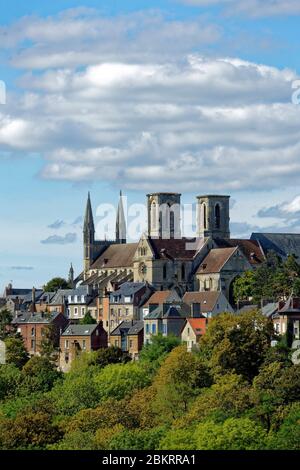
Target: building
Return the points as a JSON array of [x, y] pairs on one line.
[[128, 336], [160, 298], [207, 303], [165, 319], [126, 302], [33, 328], [192, 332], [286, 318], [76, 339]]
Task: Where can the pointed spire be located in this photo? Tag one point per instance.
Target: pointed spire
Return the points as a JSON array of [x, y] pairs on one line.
[[88, 219], [120, 222], [71, 276]]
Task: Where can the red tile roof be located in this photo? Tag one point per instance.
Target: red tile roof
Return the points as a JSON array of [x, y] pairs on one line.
[[159, 297], [198, 325]]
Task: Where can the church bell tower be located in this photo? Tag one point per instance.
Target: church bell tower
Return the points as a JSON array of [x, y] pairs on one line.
[[213, 216]]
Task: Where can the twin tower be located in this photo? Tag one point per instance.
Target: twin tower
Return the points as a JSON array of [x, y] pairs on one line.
[[164, 216]]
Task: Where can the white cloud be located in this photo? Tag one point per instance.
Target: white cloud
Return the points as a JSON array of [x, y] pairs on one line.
[[252, 8]]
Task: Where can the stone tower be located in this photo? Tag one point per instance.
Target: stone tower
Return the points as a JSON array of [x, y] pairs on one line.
[[88, 235], [120, 223], [213, 216], [71, 277], [164, 219]]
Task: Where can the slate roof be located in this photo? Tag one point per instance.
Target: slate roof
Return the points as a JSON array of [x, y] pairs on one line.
[[129, 328], [250, 248], [38, 294], [172, 248], [79, 330], [215, 260], [128, 289], [207, 300], [283, 244], [62, 294], [169, 311], [29, 317], [116, 256], [269, 309]]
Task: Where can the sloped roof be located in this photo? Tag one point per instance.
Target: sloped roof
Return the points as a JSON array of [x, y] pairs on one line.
[[250, 248], [207, 300], [79, 330], [129, 328], [215, 260], [116, 256], [198, 325], [159, 297], [28, 317], [283, 244], [175, 310], [172, 248]]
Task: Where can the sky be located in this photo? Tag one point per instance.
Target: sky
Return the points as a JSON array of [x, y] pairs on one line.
[[192, 96]]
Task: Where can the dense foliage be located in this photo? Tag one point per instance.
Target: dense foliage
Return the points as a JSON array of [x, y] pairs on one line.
[[272, 280], [235, 392]]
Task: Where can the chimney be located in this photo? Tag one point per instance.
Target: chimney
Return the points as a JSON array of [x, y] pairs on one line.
[[196, 310]]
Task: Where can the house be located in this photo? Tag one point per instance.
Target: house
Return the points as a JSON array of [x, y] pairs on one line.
[[159, 298], [193, 330], [33, 326], [167, 319], [125, 303], [80, 338], [286, 318], [128, 336], [74, 303], [208, 303]]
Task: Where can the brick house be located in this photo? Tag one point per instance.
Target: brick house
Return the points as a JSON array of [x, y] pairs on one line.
[[128, 336], [33, 327], [80, 338]]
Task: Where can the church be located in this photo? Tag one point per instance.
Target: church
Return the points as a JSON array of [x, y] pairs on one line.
[[168, 261]]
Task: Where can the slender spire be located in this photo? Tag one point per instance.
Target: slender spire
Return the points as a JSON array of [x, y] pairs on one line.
[[120, 222], [88, 219]]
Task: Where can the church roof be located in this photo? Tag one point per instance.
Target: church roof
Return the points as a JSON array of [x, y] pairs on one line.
[[250, 248], [283, 244], [116, 256], [173, 248], [215, 260]]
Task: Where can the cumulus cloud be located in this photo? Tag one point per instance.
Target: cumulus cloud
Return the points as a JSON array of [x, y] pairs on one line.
[[154, 120], [68, 239], [252, 8], [289, 211]]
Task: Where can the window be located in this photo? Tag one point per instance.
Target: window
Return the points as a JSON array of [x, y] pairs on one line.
[[66, 344], [112, 312], [204, 216], [188, 331], [131, 343], [116, 343], [183, 272], [82, 299], [32, 332], [164, 329], [127, 299], [83, 344], [83, 311], [217, 216], [127, 311], [75, 311], [172, 224], [32, 344], [165, 271], [147, 328], [153, 329], [106, 323]]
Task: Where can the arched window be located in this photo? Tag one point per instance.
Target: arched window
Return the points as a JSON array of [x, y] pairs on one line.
[[153, 216], [217, 216], [183, 271], [204, 212], [165, 271], [172, 224]]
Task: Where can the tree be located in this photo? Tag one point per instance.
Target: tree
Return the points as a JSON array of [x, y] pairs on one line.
[[137, 439], [243, 286], [159, 347], [47, 345], [88, 319], [288, 436], [233, 434], [112, 355], [56, 283], [178, 380], [5, 323], [178, 439], [9, 380], [237, 343], [39, 375], [16, 352]]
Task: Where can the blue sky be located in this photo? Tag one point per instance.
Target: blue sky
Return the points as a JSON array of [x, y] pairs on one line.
[[193, 96]]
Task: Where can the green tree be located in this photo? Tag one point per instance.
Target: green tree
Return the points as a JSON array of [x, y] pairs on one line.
[[39, 375], [159, 347], [237, 343], [47, 344], [112, 355], [233, 434], [5, 323], [88, 319], [137, 439], [178, 380], [16, 352], [243, 286], [288, 436], [9, 379], [56, 283], [178, 439]]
